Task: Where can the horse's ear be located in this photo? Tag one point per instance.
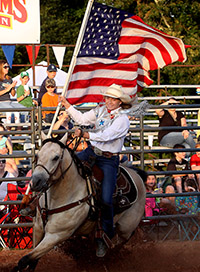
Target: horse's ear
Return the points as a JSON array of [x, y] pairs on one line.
[[43, 135], [64, 138]]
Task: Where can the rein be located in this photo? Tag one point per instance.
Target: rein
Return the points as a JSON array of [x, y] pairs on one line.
[[45, 212], [68, 206]]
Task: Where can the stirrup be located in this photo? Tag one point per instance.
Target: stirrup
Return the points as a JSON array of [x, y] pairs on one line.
[[101, 248]]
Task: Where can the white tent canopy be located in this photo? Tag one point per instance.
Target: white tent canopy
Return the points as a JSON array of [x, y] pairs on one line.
[[41, 74]]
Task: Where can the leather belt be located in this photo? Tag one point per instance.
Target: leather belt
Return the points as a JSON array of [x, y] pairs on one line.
[[106, 154]]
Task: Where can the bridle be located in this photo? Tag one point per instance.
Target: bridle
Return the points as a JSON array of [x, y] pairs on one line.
[[63, 147]]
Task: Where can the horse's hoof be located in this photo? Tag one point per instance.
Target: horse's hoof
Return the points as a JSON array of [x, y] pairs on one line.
[[23, 263], [15, 269], [101, 248]]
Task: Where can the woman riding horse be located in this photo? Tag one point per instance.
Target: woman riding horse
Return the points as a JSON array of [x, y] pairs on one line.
[[111, 126]]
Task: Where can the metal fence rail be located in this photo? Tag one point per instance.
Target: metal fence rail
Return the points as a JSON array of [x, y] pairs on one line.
[[36, 127]]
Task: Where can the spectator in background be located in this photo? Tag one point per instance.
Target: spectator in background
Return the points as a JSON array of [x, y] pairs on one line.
[[188, 204], [51, 73], [6, 148], [24, 95], [5, 174], [7, 86], [178, 163], [150, 203], [63, 123], [153, 204], [49, 99], [171, 117], [195, 163]]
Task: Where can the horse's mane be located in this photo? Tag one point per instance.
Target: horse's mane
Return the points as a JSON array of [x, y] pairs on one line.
[[79, 165]]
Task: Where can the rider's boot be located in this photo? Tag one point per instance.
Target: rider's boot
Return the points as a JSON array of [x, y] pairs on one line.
[[101, 248]]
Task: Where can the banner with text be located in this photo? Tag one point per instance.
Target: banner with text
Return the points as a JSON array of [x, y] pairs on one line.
[[19, 22]]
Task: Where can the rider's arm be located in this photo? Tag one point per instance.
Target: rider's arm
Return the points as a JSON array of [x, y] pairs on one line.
[[117, 129], [85, 119]]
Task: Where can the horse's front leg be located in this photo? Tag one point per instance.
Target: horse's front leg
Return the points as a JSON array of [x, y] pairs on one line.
[[30, 260], [38, 229]]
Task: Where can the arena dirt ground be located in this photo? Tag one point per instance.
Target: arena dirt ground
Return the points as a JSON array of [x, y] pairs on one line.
[[166, 256]]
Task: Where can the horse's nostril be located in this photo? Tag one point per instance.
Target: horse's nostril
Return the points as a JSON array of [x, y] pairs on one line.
[[35, 183], [38, 183]]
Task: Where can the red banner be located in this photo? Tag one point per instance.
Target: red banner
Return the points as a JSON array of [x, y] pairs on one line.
[[29, 49]]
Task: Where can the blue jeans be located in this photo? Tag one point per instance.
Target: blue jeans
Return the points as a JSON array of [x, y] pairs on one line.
[[109, 166], [172, 138]]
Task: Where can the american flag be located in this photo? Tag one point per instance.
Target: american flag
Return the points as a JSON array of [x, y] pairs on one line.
[[119, 48]]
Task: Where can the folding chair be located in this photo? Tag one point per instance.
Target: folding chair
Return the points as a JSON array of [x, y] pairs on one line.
[[152, 228], [190, 228], [3, 241], [17, 237]]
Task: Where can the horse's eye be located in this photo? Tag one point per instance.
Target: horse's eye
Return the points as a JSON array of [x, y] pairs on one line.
[[55, 158]]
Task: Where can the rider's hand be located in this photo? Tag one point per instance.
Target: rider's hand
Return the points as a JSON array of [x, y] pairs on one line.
[[64, 101]]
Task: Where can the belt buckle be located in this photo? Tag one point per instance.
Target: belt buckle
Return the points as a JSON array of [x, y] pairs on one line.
[[97, 151]]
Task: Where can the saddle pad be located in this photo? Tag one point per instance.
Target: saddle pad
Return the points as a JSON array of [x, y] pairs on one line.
[[124, 198]]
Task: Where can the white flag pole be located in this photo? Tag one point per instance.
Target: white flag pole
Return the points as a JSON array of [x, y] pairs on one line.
[[73, 61]]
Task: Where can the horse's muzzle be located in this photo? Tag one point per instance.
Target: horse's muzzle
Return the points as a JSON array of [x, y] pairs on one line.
[[38, 183]]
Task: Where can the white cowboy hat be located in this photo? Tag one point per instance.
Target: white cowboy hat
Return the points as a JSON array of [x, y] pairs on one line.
[[115, 91]]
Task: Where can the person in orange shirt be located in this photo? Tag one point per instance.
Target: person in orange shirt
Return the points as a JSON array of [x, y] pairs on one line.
[[49, 99]]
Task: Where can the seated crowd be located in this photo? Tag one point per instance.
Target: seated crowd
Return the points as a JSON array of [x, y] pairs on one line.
[[181, 160], [176, 183]]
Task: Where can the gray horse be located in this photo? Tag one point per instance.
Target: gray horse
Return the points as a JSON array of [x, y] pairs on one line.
[[57, 171]]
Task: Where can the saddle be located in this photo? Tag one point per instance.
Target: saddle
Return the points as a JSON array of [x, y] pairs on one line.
[[125, 191]]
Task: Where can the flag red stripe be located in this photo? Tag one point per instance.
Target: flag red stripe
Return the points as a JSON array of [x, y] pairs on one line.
[[163, 50], [171, 40], [95, 81], [99, 66], [145, 79], [86, 98], [144, 52]]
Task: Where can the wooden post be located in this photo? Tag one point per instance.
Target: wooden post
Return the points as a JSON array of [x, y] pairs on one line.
[[33, 67], [158, 77], [48, 58]]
